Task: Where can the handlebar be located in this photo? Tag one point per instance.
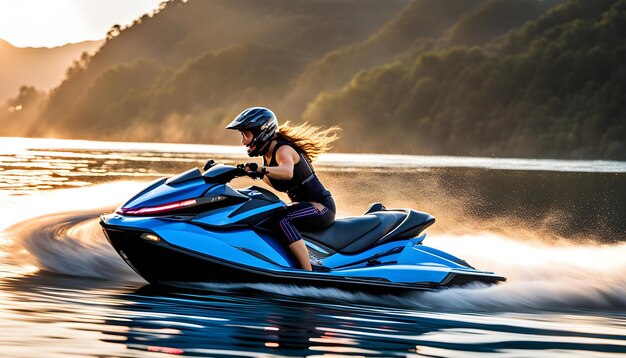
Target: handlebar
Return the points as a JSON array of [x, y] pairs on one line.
[[220, 173], [209, 164], [249, 173]]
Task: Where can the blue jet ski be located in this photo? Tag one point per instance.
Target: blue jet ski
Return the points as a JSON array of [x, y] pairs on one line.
[[194, 227]]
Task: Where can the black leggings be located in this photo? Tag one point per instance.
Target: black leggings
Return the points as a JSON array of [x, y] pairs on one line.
[[305, 216]]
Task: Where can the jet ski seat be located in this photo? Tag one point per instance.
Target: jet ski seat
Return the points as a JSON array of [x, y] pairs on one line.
[[355, 234]]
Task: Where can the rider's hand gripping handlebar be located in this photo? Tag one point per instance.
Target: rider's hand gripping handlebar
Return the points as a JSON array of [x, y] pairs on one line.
[[254, 174]]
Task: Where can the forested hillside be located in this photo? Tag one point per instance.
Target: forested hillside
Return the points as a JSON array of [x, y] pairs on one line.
[[523, 78], [556, 88], [421, 27], [415, 26], [191, 64], [491, 19]]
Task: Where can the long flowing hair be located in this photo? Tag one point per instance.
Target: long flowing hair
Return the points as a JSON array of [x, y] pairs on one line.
[[312, 140]]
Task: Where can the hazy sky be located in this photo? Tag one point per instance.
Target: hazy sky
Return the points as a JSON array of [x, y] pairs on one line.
[[49, 23]]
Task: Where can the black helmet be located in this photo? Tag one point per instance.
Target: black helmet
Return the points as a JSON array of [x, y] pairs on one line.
[[262, 123]]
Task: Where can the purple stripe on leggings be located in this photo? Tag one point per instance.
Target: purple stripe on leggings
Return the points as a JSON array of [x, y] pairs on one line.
[[290, 229], [286, 224], [289, 232], [285, 231], [312, 212], [308, 213], [300, 211]]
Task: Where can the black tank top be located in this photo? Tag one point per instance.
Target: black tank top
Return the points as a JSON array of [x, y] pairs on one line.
[[304, 185]]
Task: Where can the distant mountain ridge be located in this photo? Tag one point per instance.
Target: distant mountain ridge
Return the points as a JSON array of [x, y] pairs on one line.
[[41, 67]]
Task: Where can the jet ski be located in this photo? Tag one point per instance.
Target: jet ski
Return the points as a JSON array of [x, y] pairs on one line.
[[195, 227]]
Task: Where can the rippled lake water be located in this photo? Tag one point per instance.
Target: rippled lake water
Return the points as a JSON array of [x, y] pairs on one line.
[[556, 229]]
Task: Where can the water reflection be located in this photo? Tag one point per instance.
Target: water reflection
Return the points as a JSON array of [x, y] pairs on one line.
[[53, 170], [234, 323], [84, 317], [218, 323]]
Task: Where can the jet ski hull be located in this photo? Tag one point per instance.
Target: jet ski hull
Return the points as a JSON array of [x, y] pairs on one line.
[[164, 264]]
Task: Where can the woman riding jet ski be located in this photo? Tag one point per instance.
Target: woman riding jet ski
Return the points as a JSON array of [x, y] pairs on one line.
[[195, 227], [287, 155]]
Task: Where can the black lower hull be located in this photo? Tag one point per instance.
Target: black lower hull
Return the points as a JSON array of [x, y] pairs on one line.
[[160, 263]]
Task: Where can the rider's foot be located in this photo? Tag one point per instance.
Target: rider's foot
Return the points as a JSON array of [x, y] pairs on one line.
[[320, 268], [316, 264]]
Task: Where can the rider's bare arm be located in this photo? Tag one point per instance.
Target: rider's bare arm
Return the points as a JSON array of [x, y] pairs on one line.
[[286, 158]]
